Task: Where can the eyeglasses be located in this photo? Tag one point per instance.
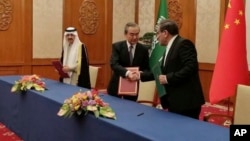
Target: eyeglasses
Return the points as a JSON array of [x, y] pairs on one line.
[[133, 34]]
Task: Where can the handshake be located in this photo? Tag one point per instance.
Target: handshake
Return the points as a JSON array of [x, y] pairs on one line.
[[133, 75]]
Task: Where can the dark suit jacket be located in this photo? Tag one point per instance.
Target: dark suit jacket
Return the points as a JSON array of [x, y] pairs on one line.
[[184, 89], [120, 59]]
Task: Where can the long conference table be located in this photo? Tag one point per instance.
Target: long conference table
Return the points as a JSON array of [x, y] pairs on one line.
[[33, 116]]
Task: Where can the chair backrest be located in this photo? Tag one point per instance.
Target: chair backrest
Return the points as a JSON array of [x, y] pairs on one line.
[[242, 104], [93, 72], [146, 93]]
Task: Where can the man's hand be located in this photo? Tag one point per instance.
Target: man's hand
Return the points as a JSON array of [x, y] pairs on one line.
[[133, 76], [163, 79], [66, 69]]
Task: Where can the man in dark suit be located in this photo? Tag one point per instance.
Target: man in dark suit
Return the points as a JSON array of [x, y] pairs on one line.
[[121, 58], [180, 75]]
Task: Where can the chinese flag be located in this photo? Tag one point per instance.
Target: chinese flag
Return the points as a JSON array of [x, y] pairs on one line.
[[231, 66]]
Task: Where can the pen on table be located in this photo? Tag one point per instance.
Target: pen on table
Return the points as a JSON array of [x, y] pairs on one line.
[[140, 114]]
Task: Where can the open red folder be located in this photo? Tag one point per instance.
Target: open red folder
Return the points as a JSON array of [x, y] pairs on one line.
[[127, 87], [58, 65]]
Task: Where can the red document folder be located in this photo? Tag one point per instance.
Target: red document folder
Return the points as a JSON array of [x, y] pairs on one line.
[[127, 87], [58, 65]]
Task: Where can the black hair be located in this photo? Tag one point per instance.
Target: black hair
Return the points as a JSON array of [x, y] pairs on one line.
[[170, 26]]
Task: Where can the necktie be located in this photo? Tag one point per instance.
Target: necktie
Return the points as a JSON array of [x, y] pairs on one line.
[[164, 61], [131, 54], [165, 56]]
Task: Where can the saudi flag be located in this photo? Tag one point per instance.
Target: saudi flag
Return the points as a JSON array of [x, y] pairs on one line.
[[157, 50]]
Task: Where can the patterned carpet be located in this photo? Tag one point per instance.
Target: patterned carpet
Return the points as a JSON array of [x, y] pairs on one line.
[[7, 135]]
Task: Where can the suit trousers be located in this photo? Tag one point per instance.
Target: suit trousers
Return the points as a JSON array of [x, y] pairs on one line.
[[193, 113]]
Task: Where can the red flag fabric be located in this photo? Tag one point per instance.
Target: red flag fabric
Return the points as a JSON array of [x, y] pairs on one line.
[[231, 66]]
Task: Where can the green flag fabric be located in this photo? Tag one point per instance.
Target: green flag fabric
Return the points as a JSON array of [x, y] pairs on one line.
[[157, 50], [157, 71]]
